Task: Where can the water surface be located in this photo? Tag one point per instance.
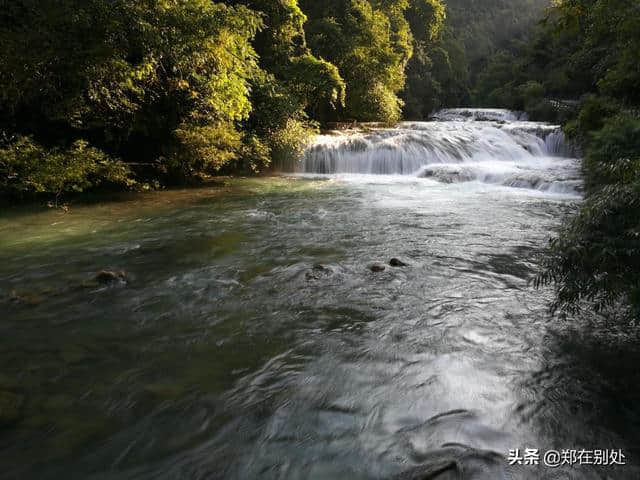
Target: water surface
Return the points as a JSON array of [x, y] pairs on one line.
[[251, 339]]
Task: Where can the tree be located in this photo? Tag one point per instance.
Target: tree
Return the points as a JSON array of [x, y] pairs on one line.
[[596, 257], [129, 76], [370, 43], [293, 87]]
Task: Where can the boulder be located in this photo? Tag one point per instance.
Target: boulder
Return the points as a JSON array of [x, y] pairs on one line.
[[318, 271], [394, 262], [107, 277]]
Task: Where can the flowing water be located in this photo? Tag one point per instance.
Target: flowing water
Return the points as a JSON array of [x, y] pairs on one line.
[[249, 339]]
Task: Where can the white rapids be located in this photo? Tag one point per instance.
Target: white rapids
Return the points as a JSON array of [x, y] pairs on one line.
[[491, 146]]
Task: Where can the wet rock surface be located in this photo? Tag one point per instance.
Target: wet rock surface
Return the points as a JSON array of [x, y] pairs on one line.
[[318, 271], [394, 262], [108, 277]]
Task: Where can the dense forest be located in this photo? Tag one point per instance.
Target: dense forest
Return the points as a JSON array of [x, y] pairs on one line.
[[585, 52], [139, 94], [123, 93]]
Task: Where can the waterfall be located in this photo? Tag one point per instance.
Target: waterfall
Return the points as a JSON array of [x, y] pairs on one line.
[[459, 145], [557, 145], [479, 114]]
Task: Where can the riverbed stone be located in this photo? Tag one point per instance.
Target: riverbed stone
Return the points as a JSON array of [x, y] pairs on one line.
[[377, 268], [394, 262], [108, 277], [318, 271]]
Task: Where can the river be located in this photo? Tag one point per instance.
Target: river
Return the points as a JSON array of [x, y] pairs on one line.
[[249, 338]]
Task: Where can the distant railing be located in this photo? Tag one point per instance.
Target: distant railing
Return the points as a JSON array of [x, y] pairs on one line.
[[564, 104]]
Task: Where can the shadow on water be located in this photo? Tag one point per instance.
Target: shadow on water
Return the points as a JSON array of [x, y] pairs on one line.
[[584, 395], [589, 379]]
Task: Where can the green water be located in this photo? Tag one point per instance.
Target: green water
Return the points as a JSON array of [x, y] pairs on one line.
[[229, 353]]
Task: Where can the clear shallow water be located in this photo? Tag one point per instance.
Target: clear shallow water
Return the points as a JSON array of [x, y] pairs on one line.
[[231, 355]]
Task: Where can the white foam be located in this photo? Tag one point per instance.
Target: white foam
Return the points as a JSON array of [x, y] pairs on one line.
[[486, 145]]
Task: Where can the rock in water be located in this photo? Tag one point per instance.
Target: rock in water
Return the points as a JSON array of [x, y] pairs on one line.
[[376, 268], [107, 277], [318, 271], [394, 262]]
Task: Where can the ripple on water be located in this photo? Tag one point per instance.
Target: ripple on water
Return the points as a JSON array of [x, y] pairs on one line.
[[253, 341]]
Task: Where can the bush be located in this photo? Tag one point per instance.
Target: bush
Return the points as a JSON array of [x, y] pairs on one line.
[[597, 255], [614, 152], [542, 111], [28, 168], [204, 149], [379, 104], [593, 114]]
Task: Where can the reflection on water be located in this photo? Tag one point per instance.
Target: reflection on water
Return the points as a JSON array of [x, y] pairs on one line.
[[251, 339]]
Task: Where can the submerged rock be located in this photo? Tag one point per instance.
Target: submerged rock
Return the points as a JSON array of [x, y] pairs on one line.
[[376, 268], [25, 298], [318, 271], [10, 407], [394, 262], [107, 277]]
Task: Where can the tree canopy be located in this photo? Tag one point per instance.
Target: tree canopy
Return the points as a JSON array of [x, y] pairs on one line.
[[175, 89]]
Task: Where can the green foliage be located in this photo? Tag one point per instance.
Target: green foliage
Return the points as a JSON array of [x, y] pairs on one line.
[[204, 149], [28, 168], [596, 258], [190, 86], [426, 19], [492, 28], [613, 156], [102, 64], [129, 76], [468, 54], [586, 51], [318, 82], [497, 84], [437, 73], [287, 144], [594, 112], [370, 43], [292, 82]]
